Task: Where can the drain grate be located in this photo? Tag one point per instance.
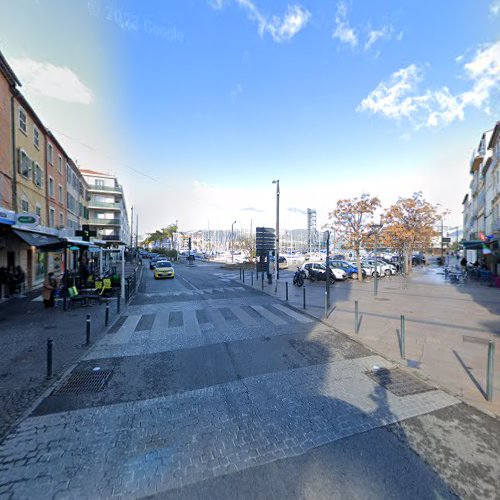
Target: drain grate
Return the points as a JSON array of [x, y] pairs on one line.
[[84, 381], [398, 382]]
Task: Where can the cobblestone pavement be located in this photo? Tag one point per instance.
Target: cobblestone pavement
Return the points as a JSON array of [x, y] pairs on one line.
[[204, 388], [163, 443]]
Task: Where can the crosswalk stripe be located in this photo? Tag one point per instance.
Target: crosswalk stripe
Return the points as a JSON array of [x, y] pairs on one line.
[[124, 334], [243, 316], [295, 315], [275, 320], [191, 325], [215, 317]]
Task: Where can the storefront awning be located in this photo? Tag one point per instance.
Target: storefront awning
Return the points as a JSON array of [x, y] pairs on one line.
[[76, 243], [42, 241], [473, 244]]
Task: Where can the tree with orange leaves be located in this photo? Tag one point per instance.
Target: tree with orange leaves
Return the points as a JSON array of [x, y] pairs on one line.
[[352, 219], [409, 226]]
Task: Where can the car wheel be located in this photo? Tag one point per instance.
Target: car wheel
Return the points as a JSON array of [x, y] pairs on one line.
[[354, 276], [388, 272]]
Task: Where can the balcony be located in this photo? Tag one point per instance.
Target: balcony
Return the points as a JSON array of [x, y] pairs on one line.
[[104, 222], [110, 189], [476, 160], [102, 204]]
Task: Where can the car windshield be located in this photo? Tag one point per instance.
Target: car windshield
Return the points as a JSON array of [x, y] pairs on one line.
[[163, 263]]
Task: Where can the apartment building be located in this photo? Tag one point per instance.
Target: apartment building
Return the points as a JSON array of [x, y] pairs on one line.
[[107, 210], [76, 197], [481, 205], [55, 183]]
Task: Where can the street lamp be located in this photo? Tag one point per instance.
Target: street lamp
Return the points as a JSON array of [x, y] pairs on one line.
[[277, 182], [232, 242], [375, 228], [328, 271]]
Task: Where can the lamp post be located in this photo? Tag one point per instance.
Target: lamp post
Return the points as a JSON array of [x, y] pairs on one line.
[[232, 242], [277, 182], [328, 272], [375, 229]]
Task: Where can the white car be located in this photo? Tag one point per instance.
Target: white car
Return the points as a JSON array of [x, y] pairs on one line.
[[382, 267], [321, 268]]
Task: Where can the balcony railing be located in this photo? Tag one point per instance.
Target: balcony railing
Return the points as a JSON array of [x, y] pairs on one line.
[[105, 222], [98, 187], [102, 204]]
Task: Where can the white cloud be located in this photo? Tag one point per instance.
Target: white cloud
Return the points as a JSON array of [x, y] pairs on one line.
[[47, 79], [375, 35], [495, 7], [399, 97], [343, 30], [280, 29]]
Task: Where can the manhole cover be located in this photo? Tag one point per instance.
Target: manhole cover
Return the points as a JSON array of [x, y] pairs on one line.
[[398, 382], [85, 381]]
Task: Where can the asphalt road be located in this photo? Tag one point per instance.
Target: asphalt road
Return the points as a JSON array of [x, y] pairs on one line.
[[215, 390]]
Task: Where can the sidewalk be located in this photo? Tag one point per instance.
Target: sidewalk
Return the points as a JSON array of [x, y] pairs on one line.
[[24, 328], [447, 326]]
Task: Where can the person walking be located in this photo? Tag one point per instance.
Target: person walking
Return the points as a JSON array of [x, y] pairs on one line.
[[463, 263], [49, 287]]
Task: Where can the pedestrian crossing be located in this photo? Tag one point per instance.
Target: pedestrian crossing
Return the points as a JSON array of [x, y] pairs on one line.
[[191, 293], [194, 327]]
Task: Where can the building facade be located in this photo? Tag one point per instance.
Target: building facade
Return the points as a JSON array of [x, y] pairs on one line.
[[481, 206], [107, 210], [55, 183]]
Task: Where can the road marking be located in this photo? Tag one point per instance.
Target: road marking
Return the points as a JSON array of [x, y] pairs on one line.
[[191, 325], [295, 315], [124, 334], [189, 283], [243, 316], [217, 319], [275, 320]]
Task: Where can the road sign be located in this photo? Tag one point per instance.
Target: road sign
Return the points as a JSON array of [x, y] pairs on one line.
[[446, 240], [265, 239]]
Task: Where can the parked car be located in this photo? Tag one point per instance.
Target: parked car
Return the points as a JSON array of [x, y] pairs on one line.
[[283, 263], [382, 267], [164, 269], [369, 270], [350, 269], [320, 267], [152, 262]]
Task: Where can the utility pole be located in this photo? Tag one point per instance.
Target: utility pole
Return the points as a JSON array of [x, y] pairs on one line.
[[132, 227], [277, 182], [232, 242], [328, 271], [442, 250], [136, 231]]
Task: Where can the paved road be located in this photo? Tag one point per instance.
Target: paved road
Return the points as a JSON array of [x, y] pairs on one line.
[[217, 391]]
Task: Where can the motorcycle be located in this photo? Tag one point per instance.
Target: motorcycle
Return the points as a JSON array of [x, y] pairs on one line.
[[298, 277]]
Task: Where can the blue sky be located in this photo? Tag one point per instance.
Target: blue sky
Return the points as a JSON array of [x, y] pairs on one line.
[[203, 103]]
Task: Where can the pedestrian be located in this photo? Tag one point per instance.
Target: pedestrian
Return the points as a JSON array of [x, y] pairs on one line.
[[19, 278], [49, 287], [463, 263]]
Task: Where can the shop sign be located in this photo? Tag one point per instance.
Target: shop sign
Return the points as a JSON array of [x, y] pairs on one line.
[[27, 220], [7, 216]]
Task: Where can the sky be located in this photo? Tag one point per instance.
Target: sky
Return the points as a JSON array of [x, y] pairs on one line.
[[198, 105]]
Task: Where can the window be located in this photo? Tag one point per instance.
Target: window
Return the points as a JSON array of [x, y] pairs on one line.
[[52, 217], [38, 210], [25, 206], [51, 187], [99, 182], [60, 194], [61, 219], [50, 152], [36, 138], [59, 164], [24, 163], [37, 175], [23, 121]]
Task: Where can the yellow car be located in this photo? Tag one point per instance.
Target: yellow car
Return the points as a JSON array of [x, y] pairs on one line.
[[164, 269]]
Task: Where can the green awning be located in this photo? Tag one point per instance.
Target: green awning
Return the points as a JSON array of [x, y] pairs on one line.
[[473, 244]]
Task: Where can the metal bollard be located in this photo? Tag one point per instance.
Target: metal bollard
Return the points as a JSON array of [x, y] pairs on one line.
[[118, 304], [326, 304], [262, 274], [87, 342], [243, 276], [251, 274], [50, 344], [403, 334], [240, 273], [304, 294], [356, 317], [286, 290], [106, 316], [489, 370]]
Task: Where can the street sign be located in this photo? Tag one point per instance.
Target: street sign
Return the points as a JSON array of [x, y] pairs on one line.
[[446, 240], [27, 220], [265, 239]]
